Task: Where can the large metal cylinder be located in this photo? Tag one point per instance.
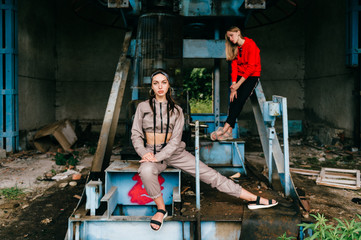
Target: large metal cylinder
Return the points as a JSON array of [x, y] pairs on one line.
[[161, 46]]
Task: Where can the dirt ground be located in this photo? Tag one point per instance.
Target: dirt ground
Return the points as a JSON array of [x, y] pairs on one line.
[[333, 202], [42, 211]]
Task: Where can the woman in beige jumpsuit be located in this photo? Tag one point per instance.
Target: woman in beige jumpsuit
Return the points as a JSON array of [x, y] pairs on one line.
[[159, 122]]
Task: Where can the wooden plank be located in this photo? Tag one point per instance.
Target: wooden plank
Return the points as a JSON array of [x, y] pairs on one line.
[[340, 170], [339, 173], [338, 185], [305, 171], [107, 133], [114, 124], [349, 182], [343, 176], [334, 177]]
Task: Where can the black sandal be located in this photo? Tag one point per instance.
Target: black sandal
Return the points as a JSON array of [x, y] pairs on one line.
[[257, 205], [165, 214]]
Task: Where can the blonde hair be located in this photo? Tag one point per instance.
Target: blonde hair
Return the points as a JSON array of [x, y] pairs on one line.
[[232, 49]]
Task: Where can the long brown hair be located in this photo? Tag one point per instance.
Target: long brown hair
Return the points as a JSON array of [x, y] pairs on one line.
[[232, 49], [168, 95]]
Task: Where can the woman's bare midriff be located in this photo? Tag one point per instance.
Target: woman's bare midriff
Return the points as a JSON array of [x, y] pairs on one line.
[[159, 138]]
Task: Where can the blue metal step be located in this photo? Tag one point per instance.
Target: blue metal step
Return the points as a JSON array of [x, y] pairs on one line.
[[225, 156], [125, 194]]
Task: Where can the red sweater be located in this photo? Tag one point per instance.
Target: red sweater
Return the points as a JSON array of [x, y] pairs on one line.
[[248, 61]]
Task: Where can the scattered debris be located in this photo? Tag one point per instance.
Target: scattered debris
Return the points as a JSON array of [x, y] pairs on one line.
[[305, 203], [340, 178], [9, 205], [76, 176], [77, 196], [235, 177], [263, 185], [185, 189], [304, 171], [62, 131], [190, 193], [64, 175], [46, 221], [25, 206], [63, 185], [73, 183], [305, 215]]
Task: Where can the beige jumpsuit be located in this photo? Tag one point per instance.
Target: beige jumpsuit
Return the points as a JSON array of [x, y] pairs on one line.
[[173, 154]]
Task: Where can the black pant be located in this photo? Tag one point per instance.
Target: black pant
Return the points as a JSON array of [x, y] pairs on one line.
[[243, 93]]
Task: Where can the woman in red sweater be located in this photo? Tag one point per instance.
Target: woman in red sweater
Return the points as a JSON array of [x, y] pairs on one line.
[[246, 70]]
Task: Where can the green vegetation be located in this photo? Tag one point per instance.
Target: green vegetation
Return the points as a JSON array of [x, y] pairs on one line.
[[67, 159], [201, 106], [344, 230], [198, 84], [92, 150], [12, 193], [284, 237]]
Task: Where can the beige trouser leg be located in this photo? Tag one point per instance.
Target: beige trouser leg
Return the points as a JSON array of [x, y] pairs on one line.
[[185, 161], [148, 172]]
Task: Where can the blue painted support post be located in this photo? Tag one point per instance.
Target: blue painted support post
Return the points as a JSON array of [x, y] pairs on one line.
[[216, 93], [198, 192], [352, 32], [286, 157], [236, 160], [216, 83], [285, 146], [198, 187], [135, 75], [271, 136], [9, 130]]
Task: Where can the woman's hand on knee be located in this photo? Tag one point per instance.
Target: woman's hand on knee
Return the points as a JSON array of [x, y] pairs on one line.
[[148, 157]]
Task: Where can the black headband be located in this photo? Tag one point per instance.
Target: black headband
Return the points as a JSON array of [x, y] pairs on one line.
[[159, 72]]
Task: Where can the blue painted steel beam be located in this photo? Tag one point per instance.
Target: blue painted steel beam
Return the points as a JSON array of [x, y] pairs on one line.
[[198, 8], [198, 186], [193, 48], [352, 32], [210, 120], [9, 119], [132, 228]]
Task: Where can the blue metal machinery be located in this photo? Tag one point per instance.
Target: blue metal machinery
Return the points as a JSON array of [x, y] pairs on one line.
[[124, 209], [265, 114], [9, 116]]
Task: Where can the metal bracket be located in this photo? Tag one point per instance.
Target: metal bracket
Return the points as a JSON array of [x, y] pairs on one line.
[[118, 3]]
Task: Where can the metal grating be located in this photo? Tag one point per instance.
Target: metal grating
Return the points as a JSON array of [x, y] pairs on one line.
[[161, 45]]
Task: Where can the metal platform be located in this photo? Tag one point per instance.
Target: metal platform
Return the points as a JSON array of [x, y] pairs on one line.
[[221, 216]]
